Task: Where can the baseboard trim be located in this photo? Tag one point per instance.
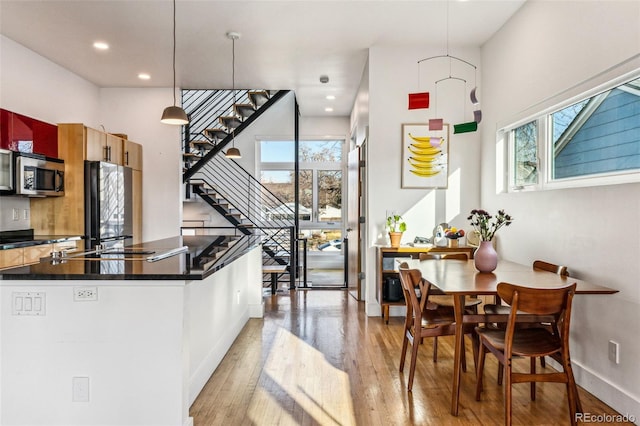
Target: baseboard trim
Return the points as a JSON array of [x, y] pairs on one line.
[[611, 394], [188, 422], [209, 364], [256, 310]]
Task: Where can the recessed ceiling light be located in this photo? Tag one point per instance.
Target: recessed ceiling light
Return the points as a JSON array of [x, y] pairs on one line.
[[144, 76], [330, 97], [100, 45], [328, 109]]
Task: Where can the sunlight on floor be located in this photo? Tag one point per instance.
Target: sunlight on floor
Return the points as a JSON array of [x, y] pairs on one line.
[[301, 376]]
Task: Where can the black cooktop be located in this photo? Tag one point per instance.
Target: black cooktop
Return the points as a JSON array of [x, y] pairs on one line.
[[16, 236]]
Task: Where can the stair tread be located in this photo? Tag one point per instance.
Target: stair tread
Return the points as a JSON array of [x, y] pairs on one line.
[[230, 121], [258, 97], [244, 110], [190, 156], [202, 144], [216, 133]]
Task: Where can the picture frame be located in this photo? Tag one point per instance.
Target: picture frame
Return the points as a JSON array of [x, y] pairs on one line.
[[425, 156]]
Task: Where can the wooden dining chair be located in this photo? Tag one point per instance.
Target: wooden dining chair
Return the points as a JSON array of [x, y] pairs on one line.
[[420, 323], [437, 300], [531, 342], [499, 309]]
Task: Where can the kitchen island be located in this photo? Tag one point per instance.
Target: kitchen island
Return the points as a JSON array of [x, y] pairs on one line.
[[118, 337]]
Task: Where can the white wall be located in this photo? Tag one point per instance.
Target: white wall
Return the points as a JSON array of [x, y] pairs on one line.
[[36, 87], [393, 74], [129, 343], [137, 112], [219, 307], [32, 85], [545, 48]]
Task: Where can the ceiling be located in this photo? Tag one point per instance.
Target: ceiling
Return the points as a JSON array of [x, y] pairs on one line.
[[283, 44]]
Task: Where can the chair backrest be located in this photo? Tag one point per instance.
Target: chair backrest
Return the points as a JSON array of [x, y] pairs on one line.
[[538, 301], [551, 267], [448, 256], [410, 279]]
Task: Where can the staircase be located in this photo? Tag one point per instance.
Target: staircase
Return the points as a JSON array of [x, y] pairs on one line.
[[227, 187]]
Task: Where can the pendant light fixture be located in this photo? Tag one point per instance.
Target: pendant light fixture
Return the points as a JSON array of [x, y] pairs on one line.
[[233, 152], [174, 114]]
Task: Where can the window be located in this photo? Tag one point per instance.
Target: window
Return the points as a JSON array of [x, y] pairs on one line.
[[592, 141], [525, 143], [320, 186]]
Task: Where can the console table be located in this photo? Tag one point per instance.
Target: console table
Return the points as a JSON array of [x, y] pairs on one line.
[[387, 268]]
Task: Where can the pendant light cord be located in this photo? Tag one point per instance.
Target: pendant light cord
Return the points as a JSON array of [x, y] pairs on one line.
[[174, 52], [233, 84]]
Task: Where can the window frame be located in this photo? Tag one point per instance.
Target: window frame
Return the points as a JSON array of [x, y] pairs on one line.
[[542, 114]]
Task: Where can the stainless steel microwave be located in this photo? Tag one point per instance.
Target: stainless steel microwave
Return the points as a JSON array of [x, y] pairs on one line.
[[39, 176]]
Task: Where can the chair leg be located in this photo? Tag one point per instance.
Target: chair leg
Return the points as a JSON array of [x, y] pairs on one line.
[[463, 357], [500, 374], [543, 362], [405, 342], [412, 368], [480, 370], [435, 349], [507, 393], [532, 361], [572, 391], [475, 341]]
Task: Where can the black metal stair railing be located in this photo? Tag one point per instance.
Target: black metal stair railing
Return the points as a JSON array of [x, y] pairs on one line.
[[205, 107], [245, 193], [224, 184], [220, 145]]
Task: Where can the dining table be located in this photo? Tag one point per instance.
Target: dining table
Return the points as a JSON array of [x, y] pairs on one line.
[[460, 278]]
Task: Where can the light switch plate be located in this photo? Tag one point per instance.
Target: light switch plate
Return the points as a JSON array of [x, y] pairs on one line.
[[28, 303]]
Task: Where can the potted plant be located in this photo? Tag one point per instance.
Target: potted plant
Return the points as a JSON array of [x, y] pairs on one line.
[[396, 226], [486, 225]]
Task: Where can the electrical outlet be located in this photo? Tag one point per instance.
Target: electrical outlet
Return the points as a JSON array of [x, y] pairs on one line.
[[614, 352], [80, 389], [16, 214], [85, 294], [25, 214], [238, 297]]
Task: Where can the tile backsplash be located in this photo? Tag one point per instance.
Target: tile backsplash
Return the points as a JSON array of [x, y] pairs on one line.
[[15, 213]]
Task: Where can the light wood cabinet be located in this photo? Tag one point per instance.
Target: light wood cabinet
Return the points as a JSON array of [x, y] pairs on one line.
[[114, 149], [100, 146], [34, 253], [95, 142], [132, 156], [11, 258], [77, 143], [68, 246]]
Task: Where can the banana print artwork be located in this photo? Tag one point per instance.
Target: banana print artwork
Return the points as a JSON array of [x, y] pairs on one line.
[[427, 159]]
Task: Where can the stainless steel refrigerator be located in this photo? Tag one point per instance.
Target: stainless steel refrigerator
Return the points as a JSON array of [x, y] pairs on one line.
[[108, 204]]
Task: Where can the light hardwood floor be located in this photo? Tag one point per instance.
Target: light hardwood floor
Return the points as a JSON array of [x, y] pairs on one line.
[[317, 359]]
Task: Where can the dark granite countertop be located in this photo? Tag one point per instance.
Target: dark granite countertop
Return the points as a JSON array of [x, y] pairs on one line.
[[204, 256]]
